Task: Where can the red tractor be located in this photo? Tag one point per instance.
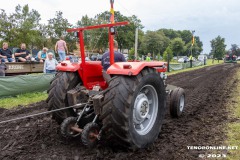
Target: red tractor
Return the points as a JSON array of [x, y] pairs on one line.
[[124, 105]]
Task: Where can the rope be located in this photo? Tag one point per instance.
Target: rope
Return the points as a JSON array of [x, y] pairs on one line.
[[42, 113]]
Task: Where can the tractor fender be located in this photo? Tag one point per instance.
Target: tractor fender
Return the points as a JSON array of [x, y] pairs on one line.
[[134, 68], [67, 66]]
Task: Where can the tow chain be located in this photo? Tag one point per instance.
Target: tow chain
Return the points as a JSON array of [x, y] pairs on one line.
[[42, 113]]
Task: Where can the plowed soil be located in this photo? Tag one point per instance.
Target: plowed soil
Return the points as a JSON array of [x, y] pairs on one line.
[[202, 124]]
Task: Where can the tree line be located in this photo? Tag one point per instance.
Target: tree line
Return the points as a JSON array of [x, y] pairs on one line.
[[24, 25], [218, 48]]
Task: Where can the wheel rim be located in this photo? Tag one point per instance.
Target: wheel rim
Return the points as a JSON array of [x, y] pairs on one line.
[[145, 110], [182, 101]]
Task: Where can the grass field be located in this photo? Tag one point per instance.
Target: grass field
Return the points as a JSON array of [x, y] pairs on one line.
[[233, 128], [22, 99]]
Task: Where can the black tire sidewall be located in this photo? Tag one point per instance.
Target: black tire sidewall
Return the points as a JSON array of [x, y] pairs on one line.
[[85, 133], [179, 95], [63, 79], [65, 124], [154, 80], [175, 102]]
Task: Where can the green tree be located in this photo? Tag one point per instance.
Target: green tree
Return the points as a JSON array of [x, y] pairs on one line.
[[170, 33], [218, 47], [154, 42], [27, 22], [98, 39], [21, 26], [158, 56], [235, 49], [186, 35], [238, 52], [166, 52], [89, 35], [57, 27], [131, 54], [177, 46], [8, 27]]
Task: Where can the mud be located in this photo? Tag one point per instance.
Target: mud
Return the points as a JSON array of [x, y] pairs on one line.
[[202, 124]]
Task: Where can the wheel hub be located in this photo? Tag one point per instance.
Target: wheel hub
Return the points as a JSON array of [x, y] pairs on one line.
[[141, 107], [182, 99], [145, 109]]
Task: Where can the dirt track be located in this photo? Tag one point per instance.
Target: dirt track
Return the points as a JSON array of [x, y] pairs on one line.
[[202, 123]]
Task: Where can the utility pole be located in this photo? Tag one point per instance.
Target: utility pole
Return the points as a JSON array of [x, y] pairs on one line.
[[136, 43]]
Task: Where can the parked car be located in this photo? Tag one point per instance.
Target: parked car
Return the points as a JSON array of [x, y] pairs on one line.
[[186, 59], [183, 60], [201, 57], [238, 58]]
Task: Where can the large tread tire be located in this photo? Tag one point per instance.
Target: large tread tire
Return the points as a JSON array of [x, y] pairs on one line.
[[57, 94], [117, 112], [176, 104]]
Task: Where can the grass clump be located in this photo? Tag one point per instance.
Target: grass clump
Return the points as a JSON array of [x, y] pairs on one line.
[[233, 127]]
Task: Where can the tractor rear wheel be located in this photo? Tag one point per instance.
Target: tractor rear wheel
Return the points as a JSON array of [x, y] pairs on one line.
[[133, 109], [57, 94]]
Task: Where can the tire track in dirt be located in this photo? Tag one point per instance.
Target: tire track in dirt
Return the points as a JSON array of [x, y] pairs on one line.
[[202, 123]]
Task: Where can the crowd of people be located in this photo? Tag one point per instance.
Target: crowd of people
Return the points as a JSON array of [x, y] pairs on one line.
[[43, 56], [50, 63]]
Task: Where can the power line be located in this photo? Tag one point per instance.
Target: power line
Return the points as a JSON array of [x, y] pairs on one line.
[[125, 8]]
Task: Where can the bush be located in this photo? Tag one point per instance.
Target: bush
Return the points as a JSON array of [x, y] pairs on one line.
[[166, 52], [131, 54]]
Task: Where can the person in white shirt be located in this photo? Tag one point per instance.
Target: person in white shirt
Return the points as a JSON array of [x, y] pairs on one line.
[[50, 64]]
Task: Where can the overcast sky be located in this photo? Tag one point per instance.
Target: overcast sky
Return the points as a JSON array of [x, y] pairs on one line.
[[209, 18]]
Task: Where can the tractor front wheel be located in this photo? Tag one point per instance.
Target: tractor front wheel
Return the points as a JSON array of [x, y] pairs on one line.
[[177, 102], [134, 108]]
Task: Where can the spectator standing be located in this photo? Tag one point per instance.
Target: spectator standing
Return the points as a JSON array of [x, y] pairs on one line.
[[118, 57], [61, 49], [148, 58], [22, 54], [50, 64], [204, 60], [6, 54], [42, 55]]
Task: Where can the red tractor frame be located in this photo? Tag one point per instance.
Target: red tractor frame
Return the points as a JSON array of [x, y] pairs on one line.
[[91, 71], [125, 105]]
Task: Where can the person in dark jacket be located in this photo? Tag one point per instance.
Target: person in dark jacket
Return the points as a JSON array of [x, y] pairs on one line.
[[6, 54], [118, 57], [22, 54]]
